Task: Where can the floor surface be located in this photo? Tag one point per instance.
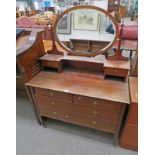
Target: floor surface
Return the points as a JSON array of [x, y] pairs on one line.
[[60, 138]]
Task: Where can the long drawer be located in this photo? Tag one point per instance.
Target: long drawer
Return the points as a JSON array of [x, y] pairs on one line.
[[71, 107], [55, 94], [97, 103], [78, 119]]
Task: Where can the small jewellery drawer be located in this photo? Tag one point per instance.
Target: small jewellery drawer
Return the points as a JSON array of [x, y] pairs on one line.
[[97, 103], [116, 72], [54, 94], [86, 121], [81, 110], [52, 64]]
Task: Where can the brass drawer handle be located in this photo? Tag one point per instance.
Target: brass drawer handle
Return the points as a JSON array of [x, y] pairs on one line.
[[93, 122], [66, 116], [95, 103], [54, 113], [95, 113], [52, 103], [79, 97]]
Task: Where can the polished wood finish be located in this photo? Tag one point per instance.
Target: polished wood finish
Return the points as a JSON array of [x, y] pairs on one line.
[[84, 84], [117, 68], [77, 93], [118, 52], [80, 98], [108, 67], [29, 47], [105, 112], [129, 137]]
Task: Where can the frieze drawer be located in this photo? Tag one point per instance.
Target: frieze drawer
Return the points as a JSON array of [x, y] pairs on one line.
[[54, 94]]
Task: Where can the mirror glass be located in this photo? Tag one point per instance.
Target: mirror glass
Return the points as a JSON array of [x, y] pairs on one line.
[[86, 31]]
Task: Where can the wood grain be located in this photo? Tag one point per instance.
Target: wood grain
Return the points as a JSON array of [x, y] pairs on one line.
[[78, 83]]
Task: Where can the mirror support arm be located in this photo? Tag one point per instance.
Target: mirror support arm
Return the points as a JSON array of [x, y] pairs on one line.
[[54, 49], [118, 52]]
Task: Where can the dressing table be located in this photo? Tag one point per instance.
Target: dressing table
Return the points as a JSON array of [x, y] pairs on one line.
[[73, 87]]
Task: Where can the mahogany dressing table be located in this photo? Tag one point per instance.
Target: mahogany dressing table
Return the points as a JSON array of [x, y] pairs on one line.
[[73, 88]]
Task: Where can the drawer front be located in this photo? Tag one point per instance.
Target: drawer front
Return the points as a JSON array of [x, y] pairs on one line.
[[116, 72], [54, 94], [52, 64], [78, 119], [71, 107], [97, 103]]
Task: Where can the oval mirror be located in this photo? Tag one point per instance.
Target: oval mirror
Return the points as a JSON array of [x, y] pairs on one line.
[[86, 30]]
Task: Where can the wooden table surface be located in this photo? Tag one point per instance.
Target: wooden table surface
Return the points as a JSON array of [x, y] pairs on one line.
[[85, 84]]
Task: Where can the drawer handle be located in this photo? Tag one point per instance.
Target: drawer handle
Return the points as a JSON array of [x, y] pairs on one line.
[[54, 113], [95, 103], [51, 94], [95, 113], [66, 116], [53, 103], [79, 97], [93, 122]]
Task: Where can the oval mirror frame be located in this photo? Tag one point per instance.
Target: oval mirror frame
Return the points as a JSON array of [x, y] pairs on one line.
[[104, 50]]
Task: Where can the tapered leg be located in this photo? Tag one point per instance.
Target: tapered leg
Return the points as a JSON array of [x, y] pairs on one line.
[[116, 135]]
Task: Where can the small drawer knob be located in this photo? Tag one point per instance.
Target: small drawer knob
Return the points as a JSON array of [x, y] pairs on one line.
[[52, 103], [79, 97], [93, 122], [51, 94], [66, 116], [54, 113], [95, 113], [95, 103]]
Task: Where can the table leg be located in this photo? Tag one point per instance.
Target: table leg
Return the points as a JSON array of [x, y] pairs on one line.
[[116, 135]]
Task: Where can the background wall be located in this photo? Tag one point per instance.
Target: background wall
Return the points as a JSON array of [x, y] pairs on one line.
[[86, 34]]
